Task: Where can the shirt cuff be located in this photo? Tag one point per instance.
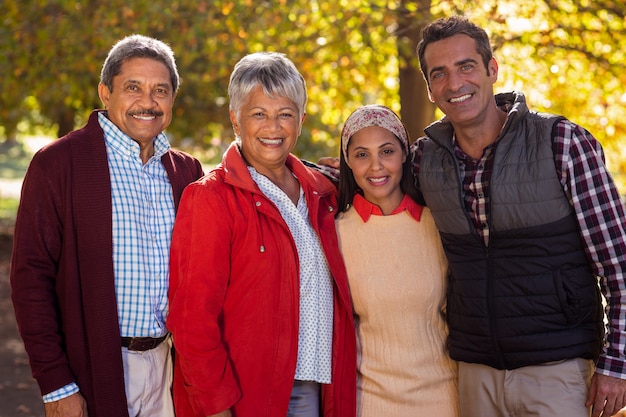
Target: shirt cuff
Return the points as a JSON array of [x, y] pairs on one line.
[[61, 393], [611, 366]]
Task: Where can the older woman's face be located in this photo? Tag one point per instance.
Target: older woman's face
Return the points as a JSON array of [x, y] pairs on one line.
[[268, 128]]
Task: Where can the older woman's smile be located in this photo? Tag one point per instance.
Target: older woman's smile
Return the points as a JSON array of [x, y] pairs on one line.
[[271, 141], [267, 128]]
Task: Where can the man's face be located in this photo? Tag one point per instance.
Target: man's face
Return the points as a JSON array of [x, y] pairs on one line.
[[142, 99], [459, 83]]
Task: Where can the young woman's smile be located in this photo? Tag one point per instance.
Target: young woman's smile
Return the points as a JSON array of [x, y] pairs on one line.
[[375, 156]]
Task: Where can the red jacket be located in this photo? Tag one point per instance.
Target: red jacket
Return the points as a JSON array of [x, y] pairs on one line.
[[234, 297], [62, 279]]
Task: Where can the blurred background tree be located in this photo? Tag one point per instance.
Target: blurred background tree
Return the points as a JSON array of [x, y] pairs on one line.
[[566, 55]]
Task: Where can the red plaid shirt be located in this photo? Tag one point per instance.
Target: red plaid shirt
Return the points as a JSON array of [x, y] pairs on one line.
[[580, 166]]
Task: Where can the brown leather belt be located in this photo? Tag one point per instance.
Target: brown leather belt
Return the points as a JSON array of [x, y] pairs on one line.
[[142, 343]]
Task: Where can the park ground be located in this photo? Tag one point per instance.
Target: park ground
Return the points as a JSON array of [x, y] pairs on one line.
[[19, 393]]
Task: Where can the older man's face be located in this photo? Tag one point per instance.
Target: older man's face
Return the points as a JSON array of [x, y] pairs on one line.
[[142, 99]]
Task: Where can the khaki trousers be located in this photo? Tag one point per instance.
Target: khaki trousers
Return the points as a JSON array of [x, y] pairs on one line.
[[148, 380], [551, 389]]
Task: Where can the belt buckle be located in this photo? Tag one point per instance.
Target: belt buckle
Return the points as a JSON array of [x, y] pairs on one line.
[[141, 344]]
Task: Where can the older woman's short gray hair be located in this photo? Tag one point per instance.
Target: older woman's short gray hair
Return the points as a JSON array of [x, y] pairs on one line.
[[138, 46], [273, 71]]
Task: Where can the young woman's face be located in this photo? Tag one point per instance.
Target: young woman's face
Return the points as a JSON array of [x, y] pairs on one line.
[[376, 156]]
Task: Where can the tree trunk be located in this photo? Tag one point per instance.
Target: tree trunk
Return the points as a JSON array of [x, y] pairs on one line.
[[11, 137], [10, 130], [416, 109], [65, 120]]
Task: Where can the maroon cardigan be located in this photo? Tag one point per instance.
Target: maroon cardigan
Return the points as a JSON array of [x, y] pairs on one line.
[[62, 282]]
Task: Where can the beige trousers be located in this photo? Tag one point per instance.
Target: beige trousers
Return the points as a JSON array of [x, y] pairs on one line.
[[148, 380], [551, 389]]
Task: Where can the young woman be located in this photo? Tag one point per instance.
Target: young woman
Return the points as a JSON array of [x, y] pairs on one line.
[[396, 272]]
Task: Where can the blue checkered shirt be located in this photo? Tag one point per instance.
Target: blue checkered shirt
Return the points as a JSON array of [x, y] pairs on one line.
[[143, 217]]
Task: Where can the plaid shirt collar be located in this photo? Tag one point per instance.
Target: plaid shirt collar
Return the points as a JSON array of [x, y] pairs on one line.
[[124, 145]]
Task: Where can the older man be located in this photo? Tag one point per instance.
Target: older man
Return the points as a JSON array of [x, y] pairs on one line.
[[90, 265]]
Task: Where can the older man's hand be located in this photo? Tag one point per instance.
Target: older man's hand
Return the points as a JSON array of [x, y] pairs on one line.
[[72, 406]]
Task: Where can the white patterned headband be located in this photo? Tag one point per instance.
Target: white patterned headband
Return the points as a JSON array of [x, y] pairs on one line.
[[373, 115]]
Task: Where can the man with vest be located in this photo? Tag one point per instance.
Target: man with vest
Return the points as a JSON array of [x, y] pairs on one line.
[[535, 233]]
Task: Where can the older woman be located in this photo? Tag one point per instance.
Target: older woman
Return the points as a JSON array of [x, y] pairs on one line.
[[260, 309]]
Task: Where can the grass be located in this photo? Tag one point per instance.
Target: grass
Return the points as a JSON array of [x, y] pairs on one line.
[[14, 160], [8, 208], [8, 211]]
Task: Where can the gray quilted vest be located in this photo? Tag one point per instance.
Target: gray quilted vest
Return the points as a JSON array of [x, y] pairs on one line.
[[528, 297]]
